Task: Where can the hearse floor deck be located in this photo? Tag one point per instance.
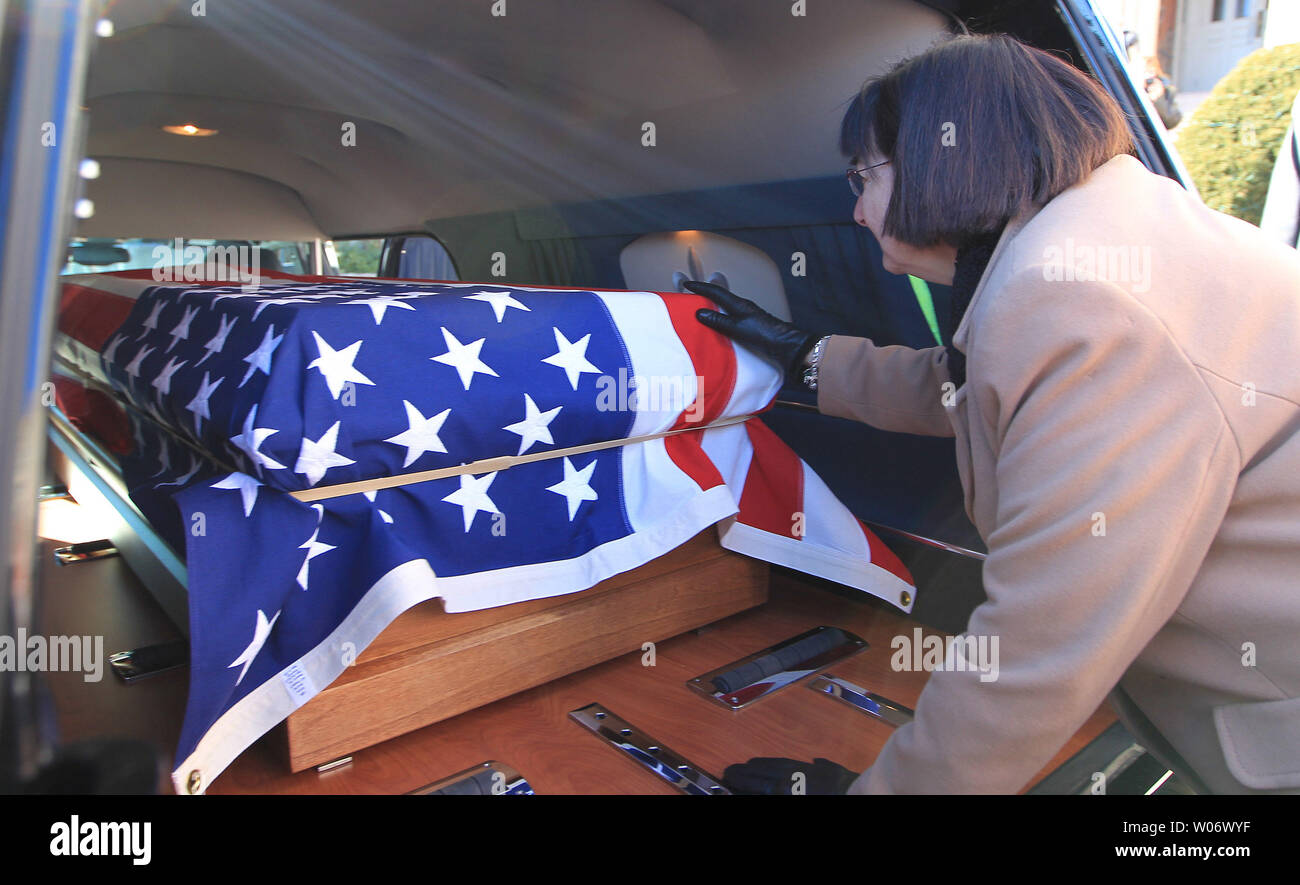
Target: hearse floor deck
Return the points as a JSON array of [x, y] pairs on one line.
[[531, 730]]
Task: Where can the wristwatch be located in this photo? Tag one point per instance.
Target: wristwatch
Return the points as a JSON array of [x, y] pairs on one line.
[[814, 362]]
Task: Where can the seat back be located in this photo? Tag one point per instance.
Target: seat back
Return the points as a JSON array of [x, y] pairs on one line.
[[661, 262]]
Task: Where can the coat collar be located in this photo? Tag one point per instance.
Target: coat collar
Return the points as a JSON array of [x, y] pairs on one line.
[[1116, 167]]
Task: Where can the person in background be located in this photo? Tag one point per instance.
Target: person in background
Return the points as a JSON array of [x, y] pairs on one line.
[[1160, 89]]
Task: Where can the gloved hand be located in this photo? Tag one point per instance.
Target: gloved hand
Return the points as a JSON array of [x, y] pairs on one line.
[[768, 776], [749, 324]]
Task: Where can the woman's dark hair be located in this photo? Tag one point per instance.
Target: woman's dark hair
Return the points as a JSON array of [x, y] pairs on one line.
[[976, 129]]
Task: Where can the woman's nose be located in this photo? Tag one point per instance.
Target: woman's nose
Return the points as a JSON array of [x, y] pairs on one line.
[[859, 215]]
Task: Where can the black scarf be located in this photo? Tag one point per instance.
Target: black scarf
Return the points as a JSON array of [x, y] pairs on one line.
[[972, 258]]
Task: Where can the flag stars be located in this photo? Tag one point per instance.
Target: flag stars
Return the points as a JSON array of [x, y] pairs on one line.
[[183, 478], [379, 306], [535, 426], [199, 405], [336, 365], [110, 352], [572, 357], [182, 330], [250, 442], [371, 496], [245, 485], [317, 456], [163, 383], [464, 358], [260, 360], [472, 496], [133, 369], [499, 301], [218, 341], [421, 435], [314, 548], [576, 486], [151, 322], [260, 633]]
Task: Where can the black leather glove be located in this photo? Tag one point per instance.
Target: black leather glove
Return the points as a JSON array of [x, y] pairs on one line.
[[749, 324], [768, 776]]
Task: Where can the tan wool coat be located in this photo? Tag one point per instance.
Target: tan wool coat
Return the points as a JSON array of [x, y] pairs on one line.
[[1128, 440]]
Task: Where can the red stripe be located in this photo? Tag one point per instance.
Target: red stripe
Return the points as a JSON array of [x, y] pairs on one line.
[[714, 362], [688, 455], [712, 355], [90, 315], [95, 413], [773, 491], [884, 557]]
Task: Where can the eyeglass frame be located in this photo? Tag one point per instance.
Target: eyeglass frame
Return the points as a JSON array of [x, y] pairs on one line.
[[861, 182]]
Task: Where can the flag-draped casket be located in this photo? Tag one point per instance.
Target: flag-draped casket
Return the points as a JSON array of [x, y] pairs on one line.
[[240, 396]]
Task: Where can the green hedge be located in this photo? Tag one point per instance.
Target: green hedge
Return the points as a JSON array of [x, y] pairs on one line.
[[1230, 142]]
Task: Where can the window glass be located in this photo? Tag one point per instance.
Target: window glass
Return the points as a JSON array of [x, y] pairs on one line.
[[358, 258], [422, 257], [107, 254]]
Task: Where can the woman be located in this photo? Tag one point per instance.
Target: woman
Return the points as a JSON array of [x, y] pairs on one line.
[[1122, 380]]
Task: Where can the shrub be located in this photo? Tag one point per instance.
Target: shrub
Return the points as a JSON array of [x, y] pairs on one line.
[[1230, 142]]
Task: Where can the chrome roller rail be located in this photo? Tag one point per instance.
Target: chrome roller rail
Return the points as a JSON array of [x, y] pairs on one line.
[[874, 705], [87, 552], [742, 682], [647, 752], [489, 778]]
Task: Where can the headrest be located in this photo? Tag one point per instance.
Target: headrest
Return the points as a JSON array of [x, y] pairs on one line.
[[661, 262]]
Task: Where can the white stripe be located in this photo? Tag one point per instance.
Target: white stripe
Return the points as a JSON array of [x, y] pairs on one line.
[[758, 381], [653, 484], [666, 382], [731, 452], [828, 523]]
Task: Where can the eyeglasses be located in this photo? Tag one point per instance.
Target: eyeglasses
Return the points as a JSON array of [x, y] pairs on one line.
[[858, 177]]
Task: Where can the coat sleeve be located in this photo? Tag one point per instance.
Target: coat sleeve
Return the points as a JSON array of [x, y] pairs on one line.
[[1115, 468], [893, 387]]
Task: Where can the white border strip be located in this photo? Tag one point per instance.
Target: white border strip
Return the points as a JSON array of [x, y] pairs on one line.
[[414, 582], [809, 558]]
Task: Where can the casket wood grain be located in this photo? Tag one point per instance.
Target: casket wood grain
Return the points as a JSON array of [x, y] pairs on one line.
[[429, 665]]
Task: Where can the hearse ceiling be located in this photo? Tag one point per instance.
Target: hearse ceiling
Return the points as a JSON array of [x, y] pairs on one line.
[[457, 111]]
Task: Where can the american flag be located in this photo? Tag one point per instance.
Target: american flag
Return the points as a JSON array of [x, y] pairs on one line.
[[241, 395]]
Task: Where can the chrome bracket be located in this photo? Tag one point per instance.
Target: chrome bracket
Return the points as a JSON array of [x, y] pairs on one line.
[[874, 705], [57, 492], [489, 778], [327, 767], [87, 552], [647, 752], [740, 683]]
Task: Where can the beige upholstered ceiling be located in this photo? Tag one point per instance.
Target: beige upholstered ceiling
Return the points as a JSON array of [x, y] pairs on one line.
[[458, 111]]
